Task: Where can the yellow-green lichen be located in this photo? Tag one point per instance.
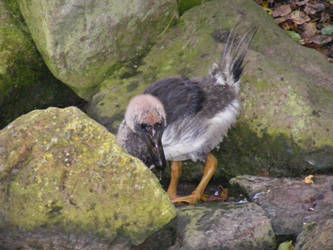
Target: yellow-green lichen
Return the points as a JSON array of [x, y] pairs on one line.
[[100, 190]]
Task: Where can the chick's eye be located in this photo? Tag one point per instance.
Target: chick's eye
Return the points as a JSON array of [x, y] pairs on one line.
[[144, 125]]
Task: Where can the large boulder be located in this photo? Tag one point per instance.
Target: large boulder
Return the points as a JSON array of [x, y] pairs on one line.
[[82, 42], [25, 81], [63, 174], [287, 91]]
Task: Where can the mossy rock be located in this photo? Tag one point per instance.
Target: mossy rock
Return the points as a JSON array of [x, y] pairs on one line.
[[63, 172], [316, 236], [184, 5], [84, 42], [287, 94], [20, 64], [25, 81]]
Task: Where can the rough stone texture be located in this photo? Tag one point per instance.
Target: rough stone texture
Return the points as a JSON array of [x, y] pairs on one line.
[[83, 41], [223, 226], [290, 203], [25, 81], [61, 171], [316, 236], [20, 64], [287, 91], [184, 5], [48, 239]]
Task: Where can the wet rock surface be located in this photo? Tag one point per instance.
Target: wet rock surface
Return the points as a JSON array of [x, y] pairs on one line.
[[63, 172], [224, 226], [291, 204]]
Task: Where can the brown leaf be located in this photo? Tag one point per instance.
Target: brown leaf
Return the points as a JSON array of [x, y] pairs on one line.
[[299, 17], [301, 3], [321, 39], [281, 19], [287, 26], [325, 17], [310, 30], [282, 10], [312, 9]]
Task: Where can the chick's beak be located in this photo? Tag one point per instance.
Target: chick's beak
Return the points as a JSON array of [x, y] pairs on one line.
[[157, 152]]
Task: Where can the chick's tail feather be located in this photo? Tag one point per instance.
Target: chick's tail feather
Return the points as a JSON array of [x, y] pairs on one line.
[[229, 69]]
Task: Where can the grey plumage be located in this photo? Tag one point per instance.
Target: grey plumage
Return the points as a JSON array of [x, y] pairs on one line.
[[196, 113]]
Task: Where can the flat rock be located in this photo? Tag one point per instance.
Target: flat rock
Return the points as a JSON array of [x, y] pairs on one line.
[[290, 203], [60, 171], [223, 226], [316, 236]]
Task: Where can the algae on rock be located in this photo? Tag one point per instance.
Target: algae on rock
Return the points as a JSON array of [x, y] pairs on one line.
[[316, 236], [20, 64], [25, 81], [62, 171]]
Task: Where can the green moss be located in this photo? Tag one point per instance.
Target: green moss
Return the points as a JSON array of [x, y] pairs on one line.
[[20, 64], [13, 7], [184, 5], [83, 66], [270, 152], [73, 177], [261, 84], [25, 81]]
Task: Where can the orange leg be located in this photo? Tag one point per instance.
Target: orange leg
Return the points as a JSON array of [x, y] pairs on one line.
[[198, 193], [176, 173]]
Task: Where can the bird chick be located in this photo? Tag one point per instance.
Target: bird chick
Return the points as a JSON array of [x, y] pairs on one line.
[[179, 119], [142, 130]]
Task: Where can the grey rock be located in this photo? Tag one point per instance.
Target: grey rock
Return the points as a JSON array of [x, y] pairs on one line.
[[290, 203], [223, 226], [83, 41], [316, 236]]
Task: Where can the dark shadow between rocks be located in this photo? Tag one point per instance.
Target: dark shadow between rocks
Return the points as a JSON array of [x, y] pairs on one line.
[[46, 92]]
